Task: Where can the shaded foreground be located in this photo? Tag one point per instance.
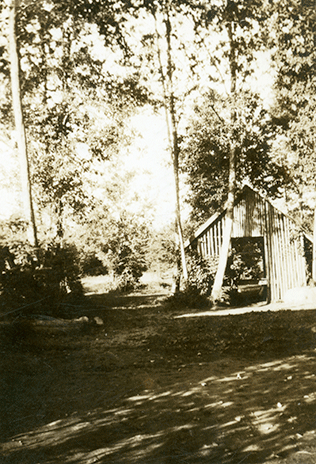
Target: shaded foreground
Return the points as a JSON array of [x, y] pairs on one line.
[[146, 387]]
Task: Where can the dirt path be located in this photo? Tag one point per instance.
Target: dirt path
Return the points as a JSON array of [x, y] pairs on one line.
[[148, 387]]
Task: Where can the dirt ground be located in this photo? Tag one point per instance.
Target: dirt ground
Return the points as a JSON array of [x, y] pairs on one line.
[[126, 380]]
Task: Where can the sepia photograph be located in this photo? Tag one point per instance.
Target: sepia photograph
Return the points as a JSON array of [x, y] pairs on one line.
[[158, 231]]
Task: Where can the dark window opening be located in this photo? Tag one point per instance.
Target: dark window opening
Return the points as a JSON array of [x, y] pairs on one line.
[[246, 270], [247, 259]]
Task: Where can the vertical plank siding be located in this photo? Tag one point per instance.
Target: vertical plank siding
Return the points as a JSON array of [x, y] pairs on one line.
[[254, 216]]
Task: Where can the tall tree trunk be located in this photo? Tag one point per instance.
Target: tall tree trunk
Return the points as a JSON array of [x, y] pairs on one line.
[[229, 219], [314, 250], [224, 251], [169, 102], [175, 159], [20, 128]]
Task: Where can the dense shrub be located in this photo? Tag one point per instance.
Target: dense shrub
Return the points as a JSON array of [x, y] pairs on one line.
[[197, 289], [92, 265], [126, 281], [115, 246], [201, 274], [37, 278]]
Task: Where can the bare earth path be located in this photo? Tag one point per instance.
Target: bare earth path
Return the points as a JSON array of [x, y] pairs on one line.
[[149, 387]]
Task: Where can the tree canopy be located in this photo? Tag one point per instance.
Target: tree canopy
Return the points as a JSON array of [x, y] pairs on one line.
[[87, 67], [206, 147], [293, 52]]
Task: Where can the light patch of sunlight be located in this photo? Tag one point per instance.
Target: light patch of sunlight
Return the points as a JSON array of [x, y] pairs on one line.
[[189, 405], [289, 448], [310, 398], [267, 428], [274, 367], [181, 427], [207, 449], [44, 437], [227, 403], [149, 448], [161, 395], [134, 441], [79, 426], [270, 364], [193, 410], [282, 367], [228, 424], [201, 387], [210, 427], [179, 393], [219, 404], [265, 421], [230, 379], [109, 411], [241, 428], [188, 393], [104, 421], [292, 419], [213, 405], [62, 430], [139, 398], [209, 379], [122, 412], [252, 448], [52, 424], [130, 443]]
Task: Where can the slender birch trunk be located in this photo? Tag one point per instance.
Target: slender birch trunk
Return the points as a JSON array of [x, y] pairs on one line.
[[224, 252], [20, 128], [314, 249], [229, 219], [169, 103], [175, 150]]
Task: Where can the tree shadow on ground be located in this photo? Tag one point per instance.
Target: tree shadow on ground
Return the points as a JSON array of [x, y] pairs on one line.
[[175, 394]]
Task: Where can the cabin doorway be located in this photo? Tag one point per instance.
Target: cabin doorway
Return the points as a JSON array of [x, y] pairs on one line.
[[247, 270]]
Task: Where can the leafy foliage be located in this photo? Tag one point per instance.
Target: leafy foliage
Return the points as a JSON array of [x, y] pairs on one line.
[[240, 30], [33, 279], [162, 249], [246, 261], [293, 41], [197, 288], [125, 249], [201, 275], [75, 103], [206, 149], [119, 242], [91, 265]]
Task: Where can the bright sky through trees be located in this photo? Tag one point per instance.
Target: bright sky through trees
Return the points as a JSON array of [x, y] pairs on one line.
[[148, 157]]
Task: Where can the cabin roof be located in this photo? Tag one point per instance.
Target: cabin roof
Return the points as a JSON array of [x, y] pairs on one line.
[[222, 212]]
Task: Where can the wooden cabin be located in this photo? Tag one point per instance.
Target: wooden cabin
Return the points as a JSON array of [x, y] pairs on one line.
[[285, 251]]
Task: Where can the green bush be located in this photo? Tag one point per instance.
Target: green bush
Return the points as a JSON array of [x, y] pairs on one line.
[[33, 279], [201, 275], [91, 265], [126, 282], [197, 289]]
